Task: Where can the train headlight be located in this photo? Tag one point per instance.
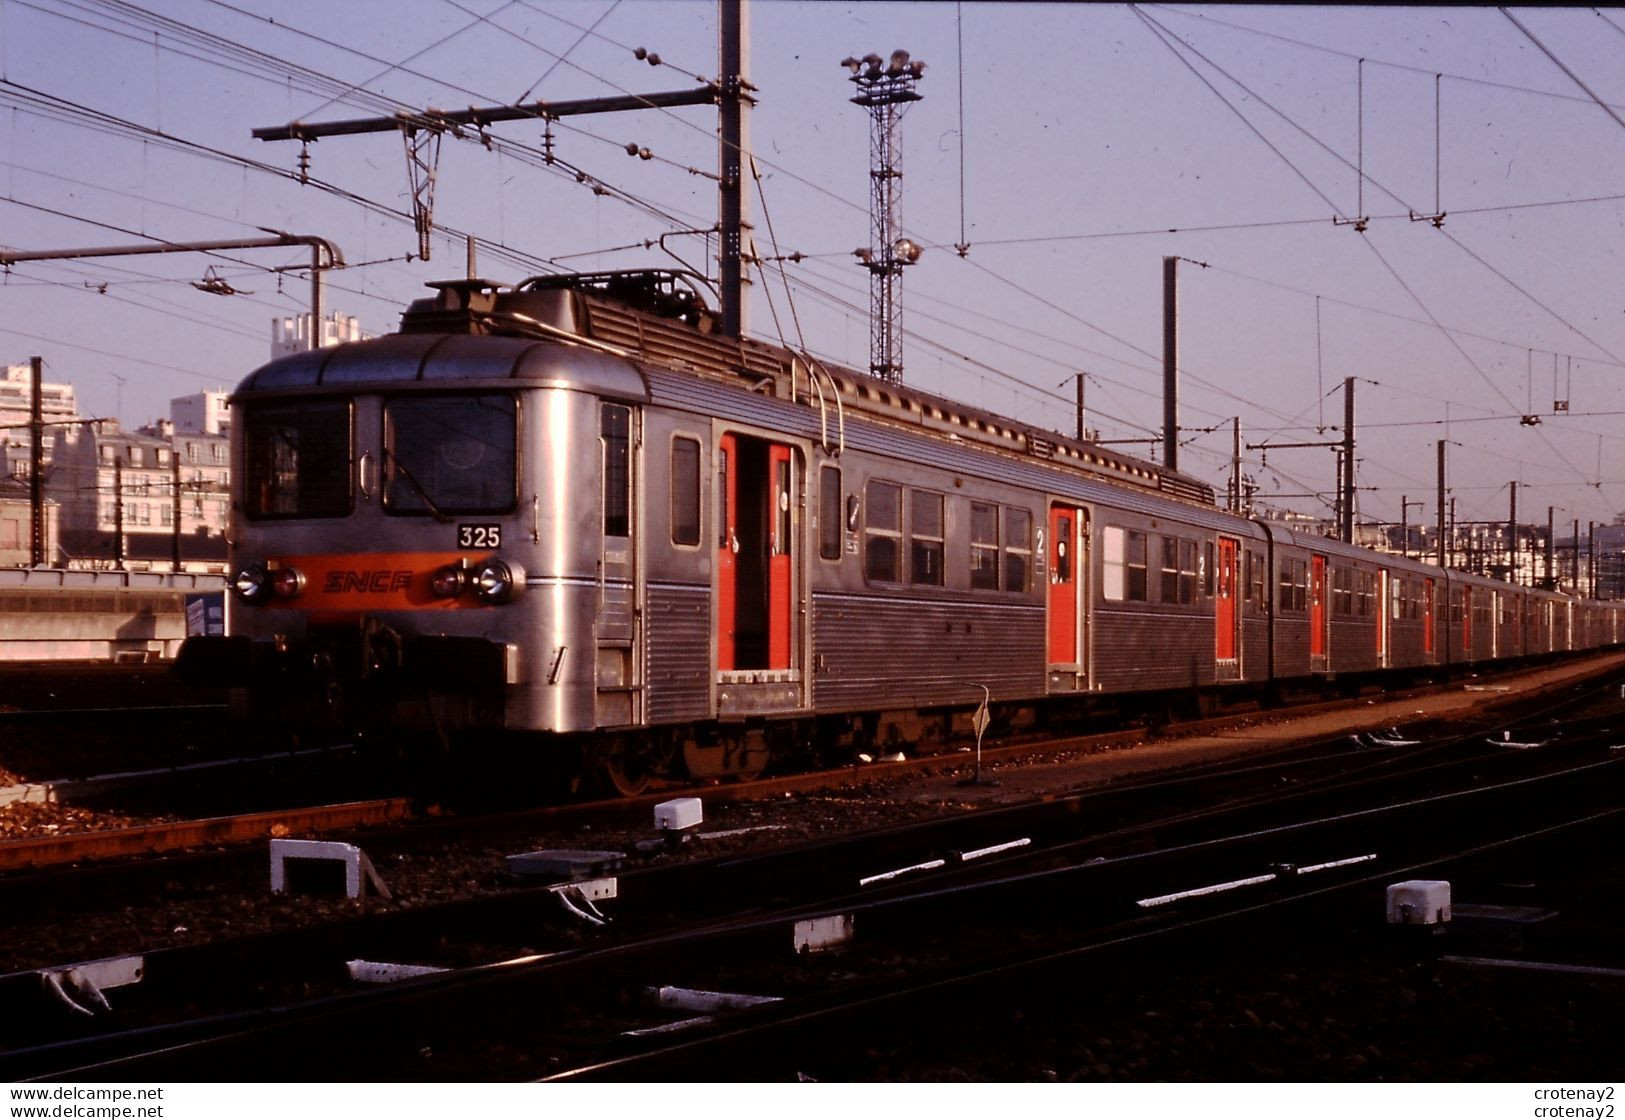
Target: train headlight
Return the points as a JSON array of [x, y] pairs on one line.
[[251, 583], [448, 582], [287, 583], [498, 581]]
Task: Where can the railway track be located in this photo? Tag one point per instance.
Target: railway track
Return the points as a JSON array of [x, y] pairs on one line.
[[697, 900], [911, 941]]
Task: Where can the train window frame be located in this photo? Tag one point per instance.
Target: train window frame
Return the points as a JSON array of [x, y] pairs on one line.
[[1293, 585], [1190, 576], [1257, 579], [1124, 556], [927, 542], [1017, 529], [255, 502], [615, 469], [1343, 591], [1179, 577], [830, 521], [442, 506], [685, 496], [984, 546], [878, 538], [1168, 584], [782, 538]]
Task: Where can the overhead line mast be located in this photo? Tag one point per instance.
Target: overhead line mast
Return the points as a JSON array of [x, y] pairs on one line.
[[731, 93]]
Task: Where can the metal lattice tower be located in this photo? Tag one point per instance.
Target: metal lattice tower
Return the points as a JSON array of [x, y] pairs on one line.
[[886, 88]]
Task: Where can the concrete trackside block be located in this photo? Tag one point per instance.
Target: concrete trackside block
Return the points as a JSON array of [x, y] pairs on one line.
[[387, 972], [694, 999], [679, 813], [358, 869], [564, 863], [1419, 902], [79, 987], [816, 935]]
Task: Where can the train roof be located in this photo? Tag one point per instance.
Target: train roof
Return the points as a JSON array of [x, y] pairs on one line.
[[400, 359], [616, 321]]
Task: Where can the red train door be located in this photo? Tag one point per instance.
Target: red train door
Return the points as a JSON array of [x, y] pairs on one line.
[[1466, 624], [727, 549], [1427, 620], [1385, 594], [1065, 586], [1317, 612], [780, 573], [1225, 615], [755, 554]]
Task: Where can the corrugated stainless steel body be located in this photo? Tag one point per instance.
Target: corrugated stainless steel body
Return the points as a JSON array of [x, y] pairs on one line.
[[551, 533], [622, 631]]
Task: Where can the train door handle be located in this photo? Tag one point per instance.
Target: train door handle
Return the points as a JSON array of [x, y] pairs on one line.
[[363, 472], [733, 542]]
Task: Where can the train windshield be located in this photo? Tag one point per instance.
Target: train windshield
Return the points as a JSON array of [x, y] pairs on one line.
[[450, 454], [297, 460]]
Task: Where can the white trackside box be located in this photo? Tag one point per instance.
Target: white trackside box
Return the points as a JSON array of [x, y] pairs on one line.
[[1419, 902], [678, 813]]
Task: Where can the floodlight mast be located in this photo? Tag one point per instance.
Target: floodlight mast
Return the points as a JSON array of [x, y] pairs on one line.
[[886, 89]]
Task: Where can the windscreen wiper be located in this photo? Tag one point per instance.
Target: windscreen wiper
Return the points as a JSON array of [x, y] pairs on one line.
[[439, 515]]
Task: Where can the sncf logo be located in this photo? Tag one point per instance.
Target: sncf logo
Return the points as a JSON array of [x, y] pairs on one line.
[[370, 582]]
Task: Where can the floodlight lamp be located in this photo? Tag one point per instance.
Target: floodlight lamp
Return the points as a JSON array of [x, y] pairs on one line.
[[906, 251]]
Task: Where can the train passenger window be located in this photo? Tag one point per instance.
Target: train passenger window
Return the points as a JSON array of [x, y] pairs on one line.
[[1207, 573], [883, 531], [615, 430], [1294, 584], [829, 512], [925, 538], [1123, 565], [296, 460], [1170, 570], [984, 546], [685, 491], [1342, 591], [1018, 549], [1061, 566], [1178, 570], [450, 454], [780, 542]]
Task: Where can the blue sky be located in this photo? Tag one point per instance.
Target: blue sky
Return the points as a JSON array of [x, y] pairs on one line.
[[1089, 131]]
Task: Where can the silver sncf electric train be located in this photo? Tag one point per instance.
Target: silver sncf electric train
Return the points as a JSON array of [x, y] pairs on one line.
[[572, 516]]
